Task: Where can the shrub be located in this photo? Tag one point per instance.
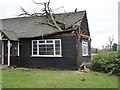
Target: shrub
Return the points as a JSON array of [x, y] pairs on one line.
[[106, 62]]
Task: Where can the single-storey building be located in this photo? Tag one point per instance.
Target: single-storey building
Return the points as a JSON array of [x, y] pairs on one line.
[[25, 42]]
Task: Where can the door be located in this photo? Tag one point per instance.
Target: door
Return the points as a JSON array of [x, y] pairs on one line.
[[13, 51]]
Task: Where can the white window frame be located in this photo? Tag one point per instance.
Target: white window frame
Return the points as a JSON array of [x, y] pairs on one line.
[[85, 45], [18, 53], [53, 40]]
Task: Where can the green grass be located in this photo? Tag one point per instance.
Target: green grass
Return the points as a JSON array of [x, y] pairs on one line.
[[0, 79], [17, 78]]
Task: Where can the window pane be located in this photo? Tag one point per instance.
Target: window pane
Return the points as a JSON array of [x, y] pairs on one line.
[[35, 53], [42, 49], [41, 41], [85, 48], [50, 49], [34, 42], [57, 51], [34, 47], [42, 53], [57, 41], [49, 41], [57, 47]]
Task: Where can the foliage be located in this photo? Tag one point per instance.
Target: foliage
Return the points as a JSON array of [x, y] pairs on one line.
[[118, 49], [36, 78], [106, 62], [114, 47], [119, 53]]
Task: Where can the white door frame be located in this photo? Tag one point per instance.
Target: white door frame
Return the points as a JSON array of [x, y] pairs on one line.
[[8, 43], [2, 52], [8, 52]]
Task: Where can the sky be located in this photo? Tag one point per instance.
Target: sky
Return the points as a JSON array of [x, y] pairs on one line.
[[102, 15]]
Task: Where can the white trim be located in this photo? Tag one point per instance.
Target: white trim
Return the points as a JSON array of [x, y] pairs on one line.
[[32, 47], [60, 48], [3, 39], [8, 53], [46, 56], [37, 48], [2, 52], [0, 35], [46, 43], [54, 47], [18, 48]]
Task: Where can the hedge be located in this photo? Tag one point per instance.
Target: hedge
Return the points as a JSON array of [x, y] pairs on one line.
[[106, 62]]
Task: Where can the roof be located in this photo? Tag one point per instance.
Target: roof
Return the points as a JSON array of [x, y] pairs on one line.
[[10, 35], [27, 27]]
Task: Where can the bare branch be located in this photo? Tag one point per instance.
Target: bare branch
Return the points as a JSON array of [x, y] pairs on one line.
[[46, 10], [38, 3], [58, 8], [24, 12], [111, 39], [60, 22], [48, 23]]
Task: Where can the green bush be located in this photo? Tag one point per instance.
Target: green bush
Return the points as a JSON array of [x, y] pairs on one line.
[[106, 62], [119, 53]]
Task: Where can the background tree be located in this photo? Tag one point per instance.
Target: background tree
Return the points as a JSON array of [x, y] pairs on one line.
[[114, 47], [111, 39]]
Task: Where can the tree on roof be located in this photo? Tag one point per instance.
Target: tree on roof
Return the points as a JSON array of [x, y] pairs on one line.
[[46, 11]]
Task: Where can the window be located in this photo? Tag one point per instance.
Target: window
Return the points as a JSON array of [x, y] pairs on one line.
[[85, 48], [50, 47]]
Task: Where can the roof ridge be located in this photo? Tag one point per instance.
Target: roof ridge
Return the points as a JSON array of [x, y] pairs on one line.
[[84, 11]]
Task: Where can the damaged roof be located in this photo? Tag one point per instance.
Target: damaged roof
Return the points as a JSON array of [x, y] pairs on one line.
[[28, 27]]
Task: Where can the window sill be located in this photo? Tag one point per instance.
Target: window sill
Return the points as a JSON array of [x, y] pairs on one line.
[[45, 56], [85, 55]]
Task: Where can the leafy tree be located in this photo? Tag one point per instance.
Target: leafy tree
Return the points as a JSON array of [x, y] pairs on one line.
[[114, 47], [118, 49]]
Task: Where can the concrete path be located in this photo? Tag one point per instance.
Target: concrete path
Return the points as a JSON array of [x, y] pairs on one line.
[[3, 66]]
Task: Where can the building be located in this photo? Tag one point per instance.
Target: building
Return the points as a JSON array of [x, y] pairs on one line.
[[26, 42]]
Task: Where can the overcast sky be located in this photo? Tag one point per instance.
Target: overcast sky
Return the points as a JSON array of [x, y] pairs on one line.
[[102, 15]]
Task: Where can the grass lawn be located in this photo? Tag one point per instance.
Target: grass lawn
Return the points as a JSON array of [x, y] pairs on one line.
[[0, 79], [35, 78]]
